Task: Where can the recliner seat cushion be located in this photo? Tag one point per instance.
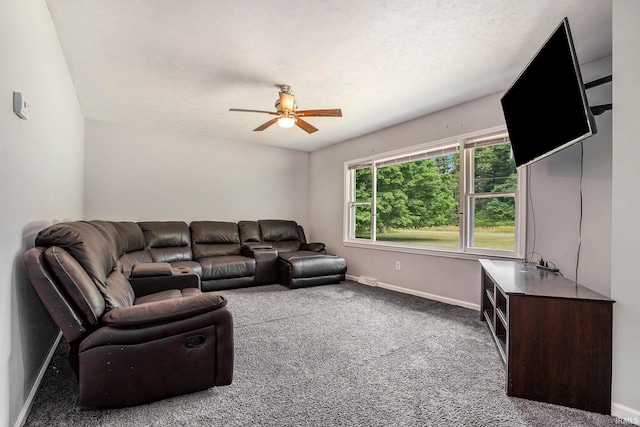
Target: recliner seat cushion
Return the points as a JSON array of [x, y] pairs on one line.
[[168, 294], [165, 311], [227, 267]]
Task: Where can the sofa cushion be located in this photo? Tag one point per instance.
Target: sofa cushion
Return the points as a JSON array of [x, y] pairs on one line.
[[312, 264], [167, 241], [278, 230], [165, 311], [111, 236], [227, 266], [75, 283], [131, 235], [128, 260], [119, 292], [214, 238], [282, 235], [86, 245], [249, 232], [165, 295]]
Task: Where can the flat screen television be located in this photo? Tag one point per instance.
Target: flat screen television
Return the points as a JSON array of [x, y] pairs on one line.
[[546, 107]]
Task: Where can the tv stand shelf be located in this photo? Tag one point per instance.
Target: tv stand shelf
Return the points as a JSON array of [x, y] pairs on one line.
[[553, 335]]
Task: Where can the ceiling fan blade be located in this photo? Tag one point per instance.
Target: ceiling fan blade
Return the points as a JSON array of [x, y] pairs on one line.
[[305, 126], [335, 112], [266, 125], [252, 111], [286, 101]]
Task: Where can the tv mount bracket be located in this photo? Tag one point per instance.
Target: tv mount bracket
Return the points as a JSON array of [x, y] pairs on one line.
[[596, 110]]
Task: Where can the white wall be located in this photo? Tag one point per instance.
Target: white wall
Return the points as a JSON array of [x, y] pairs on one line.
[[625, 286], [446, 277], [41, 163], [555, 198], [135, 173]]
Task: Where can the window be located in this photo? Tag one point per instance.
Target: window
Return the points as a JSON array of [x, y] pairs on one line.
[[460, 195]]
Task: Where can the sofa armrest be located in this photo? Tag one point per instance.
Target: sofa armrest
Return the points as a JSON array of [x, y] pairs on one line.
[[313, 247], [248, 248], [180, 278], [266, 258], [151, 269], [166, 311]]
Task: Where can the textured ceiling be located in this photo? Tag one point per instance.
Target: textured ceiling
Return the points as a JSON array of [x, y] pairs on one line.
[[180, 65]]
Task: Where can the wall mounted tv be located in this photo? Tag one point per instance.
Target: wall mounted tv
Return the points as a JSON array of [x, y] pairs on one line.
[[546, 107]]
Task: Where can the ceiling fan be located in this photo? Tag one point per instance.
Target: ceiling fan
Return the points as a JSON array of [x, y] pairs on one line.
[[289, 115]]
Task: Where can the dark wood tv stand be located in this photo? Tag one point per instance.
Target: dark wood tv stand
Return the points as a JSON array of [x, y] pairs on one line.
[[553, 335]]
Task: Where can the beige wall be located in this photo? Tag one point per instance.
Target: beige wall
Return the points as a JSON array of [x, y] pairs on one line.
[[135, 173], [41, 173]]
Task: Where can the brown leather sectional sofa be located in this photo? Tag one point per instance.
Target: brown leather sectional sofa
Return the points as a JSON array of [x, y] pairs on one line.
[[128, 297], [226, 255]]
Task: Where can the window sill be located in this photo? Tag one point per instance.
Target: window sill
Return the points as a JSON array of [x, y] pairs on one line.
[[411, 249]]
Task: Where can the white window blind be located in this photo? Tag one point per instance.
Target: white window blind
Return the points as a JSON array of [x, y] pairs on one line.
[[429, 154]]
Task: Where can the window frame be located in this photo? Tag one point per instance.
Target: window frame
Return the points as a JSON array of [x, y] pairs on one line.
[[466, 143]]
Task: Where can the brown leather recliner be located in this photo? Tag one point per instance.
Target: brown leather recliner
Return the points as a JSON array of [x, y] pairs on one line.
[[127, 346]]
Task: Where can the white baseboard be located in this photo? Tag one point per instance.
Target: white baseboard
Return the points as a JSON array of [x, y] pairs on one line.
[[625, 413], [26, 408], [420, 294]]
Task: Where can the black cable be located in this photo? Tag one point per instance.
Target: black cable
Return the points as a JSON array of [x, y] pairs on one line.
[[532, 253], [533, 212], [580, 222]]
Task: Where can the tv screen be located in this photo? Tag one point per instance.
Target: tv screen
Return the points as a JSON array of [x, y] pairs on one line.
[[546, 108]]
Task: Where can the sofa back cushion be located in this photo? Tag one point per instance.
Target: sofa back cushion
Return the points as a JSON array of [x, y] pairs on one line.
[[86, 244], [111, 237], [282, 235], [129, 259], [119, 291], [70, 321], [131, 235], [249, 232], [75, 284], [167, 241], [214, 238]]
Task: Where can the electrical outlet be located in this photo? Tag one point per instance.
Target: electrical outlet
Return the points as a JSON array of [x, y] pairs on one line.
[[397, 265], [21, 106]]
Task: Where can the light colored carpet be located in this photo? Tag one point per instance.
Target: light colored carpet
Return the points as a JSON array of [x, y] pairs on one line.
[[338, 355]]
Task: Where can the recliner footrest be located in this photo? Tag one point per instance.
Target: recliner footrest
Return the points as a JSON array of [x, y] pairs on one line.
[[306, 268]]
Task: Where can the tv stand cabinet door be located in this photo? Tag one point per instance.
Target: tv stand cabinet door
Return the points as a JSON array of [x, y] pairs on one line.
[[560, 351]]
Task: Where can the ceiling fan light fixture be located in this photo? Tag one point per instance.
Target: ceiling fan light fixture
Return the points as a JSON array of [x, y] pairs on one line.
[[287, 114], [286, 122]]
